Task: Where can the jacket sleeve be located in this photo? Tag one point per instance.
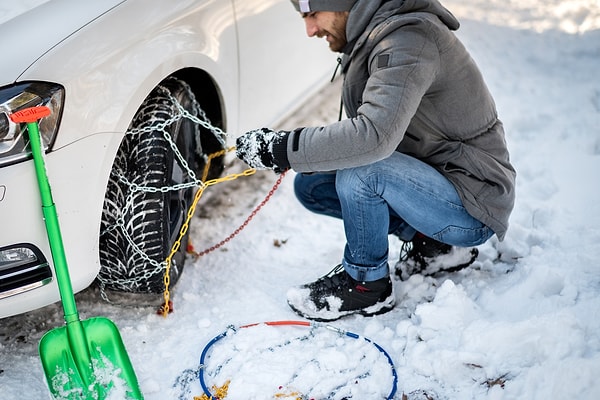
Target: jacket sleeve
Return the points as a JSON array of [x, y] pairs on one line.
[[400, 67]]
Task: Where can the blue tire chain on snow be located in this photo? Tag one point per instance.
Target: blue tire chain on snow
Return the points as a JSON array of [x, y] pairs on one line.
[[297, 323]]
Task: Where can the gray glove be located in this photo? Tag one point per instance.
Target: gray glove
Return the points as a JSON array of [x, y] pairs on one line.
[[257, 148]]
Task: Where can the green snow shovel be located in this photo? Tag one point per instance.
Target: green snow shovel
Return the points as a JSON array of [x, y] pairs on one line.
[[84, 359]]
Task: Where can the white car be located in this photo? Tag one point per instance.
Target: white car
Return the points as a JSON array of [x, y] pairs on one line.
[[107, 67]]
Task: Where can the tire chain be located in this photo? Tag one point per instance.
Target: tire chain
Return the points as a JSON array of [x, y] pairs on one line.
[[159, 266]]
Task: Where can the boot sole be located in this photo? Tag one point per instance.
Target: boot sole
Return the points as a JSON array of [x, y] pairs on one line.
[[377, 309]]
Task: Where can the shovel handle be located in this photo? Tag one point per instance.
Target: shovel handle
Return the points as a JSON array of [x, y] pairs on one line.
[[29, 115]]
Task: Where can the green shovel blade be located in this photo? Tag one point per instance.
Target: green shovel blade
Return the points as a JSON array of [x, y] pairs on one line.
[[108, 372]]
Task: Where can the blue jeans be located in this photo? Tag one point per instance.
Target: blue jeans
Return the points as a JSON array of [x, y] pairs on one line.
[[399, 195]]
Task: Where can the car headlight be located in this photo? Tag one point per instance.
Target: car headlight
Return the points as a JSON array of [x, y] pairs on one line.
[[13, 142]]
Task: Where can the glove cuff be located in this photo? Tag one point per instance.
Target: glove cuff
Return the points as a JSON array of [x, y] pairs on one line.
[[279, 149]]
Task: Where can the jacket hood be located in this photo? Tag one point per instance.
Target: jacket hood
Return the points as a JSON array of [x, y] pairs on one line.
[[368, 13]]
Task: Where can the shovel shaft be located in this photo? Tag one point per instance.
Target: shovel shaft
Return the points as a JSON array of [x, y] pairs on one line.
[[52, 226]]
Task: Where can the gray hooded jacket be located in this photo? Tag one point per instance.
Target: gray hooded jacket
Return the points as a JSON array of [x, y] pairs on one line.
[[411, 86]]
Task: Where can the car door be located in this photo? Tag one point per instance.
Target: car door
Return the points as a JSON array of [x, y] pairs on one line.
[[274, 48]]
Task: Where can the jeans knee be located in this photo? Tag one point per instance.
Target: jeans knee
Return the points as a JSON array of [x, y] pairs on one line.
[[348, 181], [301, 189], [316, 192]]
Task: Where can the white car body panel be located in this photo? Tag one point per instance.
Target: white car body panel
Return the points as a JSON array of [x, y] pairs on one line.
[[109, 55], [25, 45], [288, 59]]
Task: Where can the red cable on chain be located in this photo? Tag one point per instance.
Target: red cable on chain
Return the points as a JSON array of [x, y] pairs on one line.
[[190, 248]]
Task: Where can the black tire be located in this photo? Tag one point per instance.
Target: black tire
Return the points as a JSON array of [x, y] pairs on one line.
[[139, 227]]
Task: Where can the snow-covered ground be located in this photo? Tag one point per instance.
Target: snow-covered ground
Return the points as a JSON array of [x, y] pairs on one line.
[[522, 323]]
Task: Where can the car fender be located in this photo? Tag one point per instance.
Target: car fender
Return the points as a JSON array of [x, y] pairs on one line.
[[92, 127]]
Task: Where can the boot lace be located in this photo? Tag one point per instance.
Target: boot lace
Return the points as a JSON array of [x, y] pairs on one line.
[[334, 279]]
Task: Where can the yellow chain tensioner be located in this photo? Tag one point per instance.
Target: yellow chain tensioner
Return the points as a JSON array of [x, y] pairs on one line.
[[168, 305]]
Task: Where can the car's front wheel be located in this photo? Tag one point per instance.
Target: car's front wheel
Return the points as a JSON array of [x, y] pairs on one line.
[[148, 193]]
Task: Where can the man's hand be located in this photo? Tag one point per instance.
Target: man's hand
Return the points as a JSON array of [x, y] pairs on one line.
[[255, 148]]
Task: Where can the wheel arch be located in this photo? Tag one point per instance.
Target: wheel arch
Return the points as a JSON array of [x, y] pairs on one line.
[[207, 93], [206, 90]]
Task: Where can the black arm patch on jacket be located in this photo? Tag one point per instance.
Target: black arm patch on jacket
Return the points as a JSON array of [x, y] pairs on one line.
[[383, 61], [296, 139]]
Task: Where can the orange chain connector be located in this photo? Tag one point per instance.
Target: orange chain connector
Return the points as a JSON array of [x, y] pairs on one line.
[[167, 306]]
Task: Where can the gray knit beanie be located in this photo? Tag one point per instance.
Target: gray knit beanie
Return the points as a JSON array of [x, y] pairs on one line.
[[323, 5]]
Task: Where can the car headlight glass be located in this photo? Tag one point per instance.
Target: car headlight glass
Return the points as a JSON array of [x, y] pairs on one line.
[[13, 141]]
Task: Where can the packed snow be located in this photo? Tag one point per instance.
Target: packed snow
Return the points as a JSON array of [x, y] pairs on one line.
[[523, 322]]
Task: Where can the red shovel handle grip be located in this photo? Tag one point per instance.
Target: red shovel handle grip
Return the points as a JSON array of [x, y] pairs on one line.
[[31, 114]]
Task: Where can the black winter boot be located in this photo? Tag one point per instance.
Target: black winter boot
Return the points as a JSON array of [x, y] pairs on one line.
[[427, 256], [337, 294]]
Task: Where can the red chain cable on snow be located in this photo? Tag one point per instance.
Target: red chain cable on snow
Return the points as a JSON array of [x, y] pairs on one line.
[[190, 248]]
